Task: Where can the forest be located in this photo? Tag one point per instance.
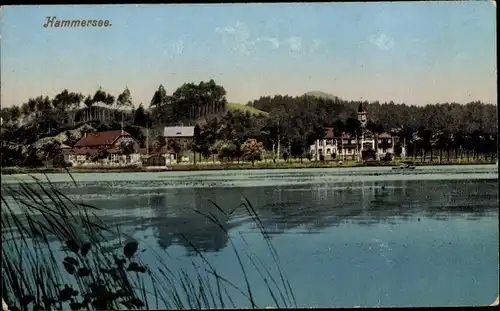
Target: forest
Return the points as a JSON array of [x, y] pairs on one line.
[[283, 124]]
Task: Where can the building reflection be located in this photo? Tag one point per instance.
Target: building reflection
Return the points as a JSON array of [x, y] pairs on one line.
[[181, 216], [363, 203], [195, 218]]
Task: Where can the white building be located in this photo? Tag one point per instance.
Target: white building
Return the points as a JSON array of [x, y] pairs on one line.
[[179, 132], [182, 135], [344, 146]]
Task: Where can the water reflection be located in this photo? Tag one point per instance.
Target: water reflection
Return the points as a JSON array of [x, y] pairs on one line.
[[188, 218], [175, 215]]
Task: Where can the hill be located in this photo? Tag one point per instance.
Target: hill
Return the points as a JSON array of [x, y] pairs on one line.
[[244, 108], [321, 94]]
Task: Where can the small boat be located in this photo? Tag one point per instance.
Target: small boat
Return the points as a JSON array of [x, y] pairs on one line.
[[404, 167]]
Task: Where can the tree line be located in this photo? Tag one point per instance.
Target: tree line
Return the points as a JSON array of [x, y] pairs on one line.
[[287, 126]]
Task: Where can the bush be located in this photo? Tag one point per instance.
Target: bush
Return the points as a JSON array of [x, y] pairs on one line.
[[387, 157], [60, 162], [32, 160], [321, 158], [309, 156], [285, 156]]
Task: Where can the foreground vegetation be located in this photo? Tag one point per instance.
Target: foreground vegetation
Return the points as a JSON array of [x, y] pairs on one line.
[[38, 275], [284, 126]]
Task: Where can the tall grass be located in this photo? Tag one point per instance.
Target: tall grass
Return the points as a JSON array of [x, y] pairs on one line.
[[54, 257]]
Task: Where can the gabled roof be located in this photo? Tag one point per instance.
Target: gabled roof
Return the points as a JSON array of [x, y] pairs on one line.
[[179, 131], [100, 138]]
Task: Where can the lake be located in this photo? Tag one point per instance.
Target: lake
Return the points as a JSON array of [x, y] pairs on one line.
[[345, 236]]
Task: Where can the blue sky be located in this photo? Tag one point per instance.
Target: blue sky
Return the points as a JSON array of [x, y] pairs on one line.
[[416, 53]]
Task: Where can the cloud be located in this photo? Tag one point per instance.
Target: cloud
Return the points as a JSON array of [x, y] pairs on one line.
[[295, 44], [240, 36], [274, 42], [228, 29], [382, 41], [315, 46], [174, 48], [178, 46], [244, 42]]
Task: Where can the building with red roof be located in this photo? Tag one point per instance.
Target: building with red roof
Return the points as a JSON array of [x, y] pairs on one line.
[[105, 142], [345, 146]]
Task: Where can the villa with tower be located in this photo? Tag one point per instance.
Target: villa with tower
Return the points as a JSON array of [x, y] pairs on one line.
[[345, 146]]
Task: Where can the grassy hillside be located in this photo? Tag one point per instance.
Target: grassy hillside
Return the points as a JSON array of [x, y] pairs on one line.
[[244, 108]]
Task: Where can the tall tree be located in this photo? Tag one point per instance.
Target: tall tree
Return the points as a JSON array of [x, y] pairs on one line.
[[125, 98], [88, 113], [102, 96], [140, 117], [161, 107], [353, 126], [197, 142]]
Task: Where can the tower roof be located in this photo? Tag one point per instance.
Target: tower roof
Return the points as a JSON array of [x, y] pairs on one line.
[[362, 107]]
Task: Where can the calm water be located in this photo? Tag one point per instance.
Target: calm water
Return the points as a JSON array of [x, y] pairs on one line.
[[345, 237]]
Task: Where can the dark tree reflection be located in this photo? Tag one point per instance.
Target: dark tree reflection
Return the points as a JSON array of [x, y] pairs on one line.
[[175, 214]]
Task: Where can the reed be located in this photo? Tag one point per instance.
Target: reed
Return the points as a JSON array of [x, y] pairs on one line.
[[54, 257]]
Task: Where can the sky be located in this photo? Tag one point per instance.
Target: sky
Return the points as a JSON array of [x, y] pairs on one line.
[[412, 52]]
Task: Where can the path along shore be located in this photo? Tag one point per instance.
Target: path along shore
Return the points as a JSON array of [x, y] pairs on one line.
[[217, 166]]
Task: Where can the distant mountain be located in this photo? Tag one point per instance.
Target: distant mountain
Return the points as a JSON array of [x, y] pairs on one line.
[[322, 95]]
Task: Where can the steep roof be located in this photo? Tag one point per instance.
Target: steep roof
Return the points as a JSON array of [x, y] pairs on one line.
[[100, 138], [179, 131], [329, 133], [362, 107]]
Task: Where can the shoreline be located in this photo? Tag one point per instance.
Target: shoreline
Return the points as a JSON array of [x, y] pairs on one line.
[[217, 167]]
